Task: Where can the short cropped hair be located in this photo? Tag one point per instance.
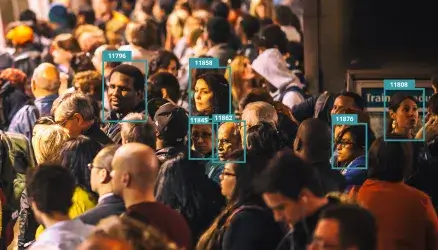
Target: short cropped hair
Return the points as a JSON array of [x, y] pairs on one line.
[[132, 73], [138, 132], [359, 102], [257, 112], [51, 187]]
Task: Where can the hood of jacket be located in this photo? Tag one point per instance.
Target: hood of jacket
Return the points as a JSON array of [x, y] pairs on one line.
[[271, 65]]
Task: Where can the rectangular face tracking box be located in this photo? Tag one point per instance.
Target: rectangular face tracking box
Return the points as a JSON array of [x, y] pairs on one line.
[[216, 120], [123, 57]]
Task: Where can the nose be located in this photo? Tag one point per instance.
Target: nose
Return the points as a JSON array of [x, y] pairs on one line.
[[197, 96], [278, 216]]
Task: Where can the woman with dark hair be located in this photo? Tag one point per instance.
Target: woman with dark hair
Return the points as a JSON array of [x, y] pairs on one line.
[[403, 115], [246, 223], [76, 154], [211, 95], [165, 61], [405, 216], [265, 139], [350, 145], [183, 185]]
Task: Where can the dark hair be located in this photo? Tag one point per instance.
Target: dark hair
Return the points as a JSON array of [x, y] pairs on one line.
[[391, 160], [256, 95], [433, 104], [51, 187], [88, 13], [250, 25], [219, 85], [183, 185], [435, 81], [285, 17], [28, 15], [288, 174], [67, 42], [219, 30], [359, 102], [272, 36], [357, 226], [133, 72], [220, 9], [358, 133], [164, 80], [265, 139], [266, 21], [81, 62], [162, 61], [76, 154], [245, 193], [394, 104]]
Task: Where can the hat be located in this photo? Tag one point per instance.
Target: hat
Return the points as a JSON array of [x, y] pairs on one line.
[[20, 35], [58, 14], [172, 122], [154, 104]]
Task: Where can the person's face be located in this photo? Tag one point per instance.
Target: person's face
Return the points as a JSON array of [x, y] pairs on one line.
[[248, 72], [73, 124], [228, 180], [261, 10], [122, 95], [201, 138], [342, 102], [285, 210], [98, 176], [326, 235], [203, 97], [227, 141], [406, 115], [346, 150], [61, 56]]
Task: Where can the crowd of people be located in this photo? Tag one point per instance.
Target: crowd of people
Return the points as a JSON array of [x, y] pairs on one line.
[[87, 162]]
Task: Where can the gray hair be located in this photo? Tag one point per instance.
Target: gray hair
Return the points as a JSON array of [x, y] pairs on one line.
[[70, 103], [141, 132], [257, 112]]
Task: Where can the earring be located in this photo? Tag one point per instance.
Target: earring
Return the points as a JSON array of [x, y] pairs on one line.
[[394, 124]]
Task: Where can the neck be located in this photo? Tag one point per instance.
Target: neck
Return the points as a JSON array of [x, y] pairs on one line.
[[403, 131], [133, 197], [50, 220], [42, 93], [105, 189]]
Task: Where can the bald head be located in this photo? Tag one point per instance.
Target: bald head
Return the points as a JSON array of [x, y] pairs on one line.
[[97, 242], [313, 140], [139, 161], [46, 78]]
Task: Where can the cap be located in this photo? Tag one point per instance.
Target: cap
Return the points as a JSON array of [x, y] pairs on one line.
[[58, 14], [20, 35], [172, 122], [154, 104]]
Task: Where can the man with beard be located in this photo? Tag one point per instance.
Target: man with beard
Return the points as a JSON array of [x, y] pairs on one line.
[[126, 92]]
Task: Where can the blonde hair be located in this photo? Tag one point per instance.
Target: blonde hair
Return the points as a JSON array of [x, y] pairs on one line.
[[269, 8], [237, 70], [48, 142]]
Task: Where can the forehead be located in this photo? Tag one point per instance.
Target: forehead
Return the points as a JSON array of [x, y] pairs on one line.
[[227, 127], [275, 199], [327, 228], [345, 100], [408, 102], [201, 84], [121, 79], [229, 166], [201, 127]]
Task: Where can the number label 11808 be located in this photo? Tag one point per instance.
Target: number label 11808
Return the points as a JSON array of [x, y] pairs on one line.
[[399, 84]]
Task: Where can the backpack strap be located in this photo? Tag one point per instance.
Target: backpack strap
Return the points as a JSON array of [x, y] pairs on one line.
[[240, 209], [320, 103], [292, 89]]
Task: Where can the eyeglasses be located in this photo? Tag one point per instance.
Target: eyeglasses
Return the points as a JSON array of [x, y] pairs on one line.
[[203, 135], [91, 166], [344, 143], [226, 174]]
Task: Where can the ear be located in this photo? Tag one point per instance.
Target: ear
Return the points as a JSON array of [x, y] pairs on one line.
[[126, 179], [79, 117], [104, 176], [392, 114], [33, 85]]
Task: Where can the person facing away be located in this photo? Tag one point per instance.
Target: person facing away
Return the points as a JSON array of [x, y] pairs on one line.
[[345, 226], [405, 215], [100, 182], [50, 189], [312, 145], [134, 174], [294, 192]]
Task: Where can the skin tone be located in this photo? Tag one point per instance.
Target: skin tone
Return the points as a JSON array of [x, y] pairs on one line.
[[62, 57], [73, 125], [104, 243], [122, 95], [346, 150], [100, 179], [227, 140], [201, 138], [326, 235], [342, 102], [133, 176], [228, 180], [203, 97], [406, 117], [45, 74], [172, 69], [292, 211]]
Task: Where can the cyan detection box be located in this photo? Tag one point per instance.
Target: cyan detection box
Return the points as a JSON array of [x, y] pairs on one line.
[[347, 120], [122, 56], [392, 86]]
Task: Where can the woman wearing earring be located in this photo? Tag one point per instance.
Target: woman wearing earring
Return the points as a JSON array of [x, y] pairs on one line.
[[403, 113]]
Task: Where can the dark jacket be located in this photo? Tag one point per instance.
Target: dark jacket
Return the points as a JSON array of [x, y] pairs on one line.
[[168, 153], [332, 180], [95, 133], [251, 228], [112, 129], [111, 205]]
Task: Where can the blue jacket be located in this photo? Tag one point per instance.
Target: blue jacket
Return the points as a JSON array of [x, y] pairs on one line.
[[355, 173]]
